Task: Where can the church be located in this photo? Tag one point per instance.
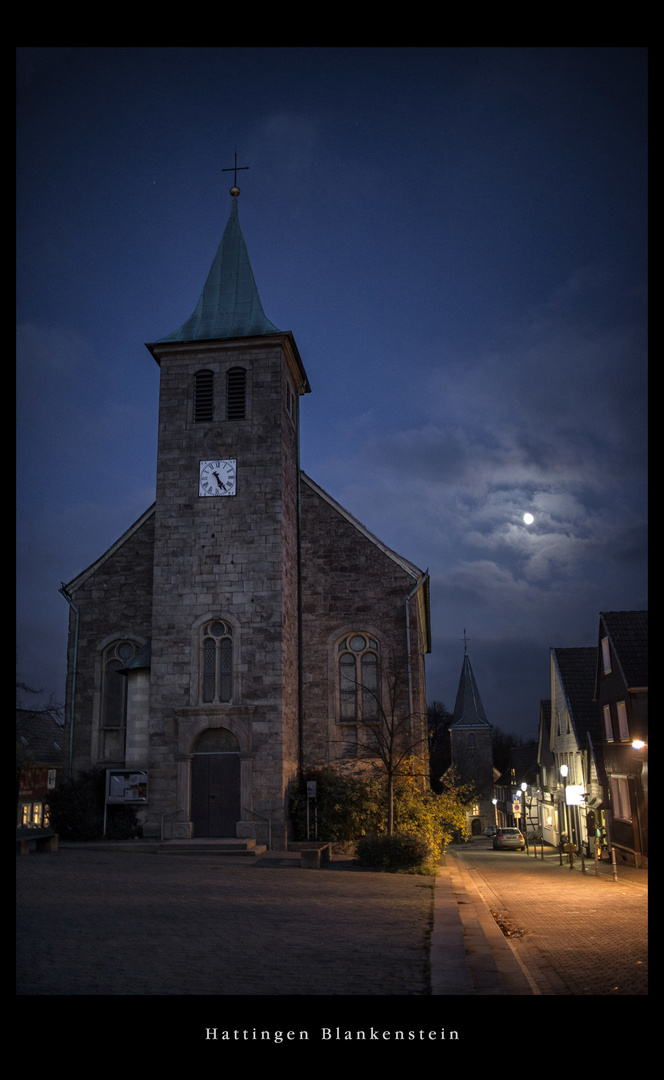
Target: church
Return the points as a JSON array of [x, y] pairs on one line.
[[472, 750], [246, 628]]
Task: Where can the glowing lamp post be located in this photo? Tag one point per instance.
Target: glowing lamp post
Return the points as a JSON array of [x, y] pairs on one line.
[[524, 817], [563, 772]]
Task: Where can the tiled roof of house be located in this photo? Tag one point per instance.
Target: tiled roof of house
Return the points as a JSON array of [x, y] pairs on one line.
[[41, 736], [576, 668], [545, 752], [627, 632]]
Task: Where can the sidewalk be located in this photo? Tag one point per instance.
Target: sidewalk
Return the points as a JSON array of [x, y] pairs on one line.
[[469, 953], [604, 868], [569, 932]]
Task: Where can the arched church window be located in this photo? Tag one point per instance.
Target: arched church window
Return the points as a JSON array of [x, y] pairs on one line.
[[236, 394], [216, 662], [359, 678], [203, 396], [114, 685]]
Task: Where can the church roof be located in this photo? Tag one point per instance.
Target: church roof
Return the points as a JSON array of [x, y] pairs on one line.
[[141, 660], [468, 709], [229, 306]]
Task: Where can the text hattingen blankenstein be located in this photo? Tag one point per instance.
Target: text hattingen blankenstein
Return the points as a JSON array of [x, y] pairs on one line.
[[331, 1034]]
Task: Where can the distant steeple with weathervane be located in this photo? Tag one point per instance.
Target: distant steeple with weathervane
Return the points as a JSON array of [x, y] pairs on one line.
[[472, 752]]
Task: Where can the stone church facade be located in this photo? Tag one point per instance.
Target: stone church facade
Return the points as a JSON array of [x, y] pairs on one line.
[[246, 627]]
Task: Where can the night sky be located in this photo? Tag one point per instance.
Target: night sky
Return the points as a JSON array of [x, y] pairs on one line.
[[456, 238]]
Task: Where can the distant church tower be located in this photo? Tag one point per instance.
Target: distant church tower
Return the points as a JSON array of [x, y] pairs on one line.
[[472, 752]]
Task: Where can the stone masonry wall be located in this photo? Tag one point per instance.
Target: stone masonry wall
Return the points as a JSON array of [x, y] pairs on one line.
[[223, 557], [349, 584], [114, 600]]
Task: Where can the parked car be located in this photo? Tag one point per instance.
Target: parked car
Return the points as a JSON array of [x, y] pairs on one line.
[[508, 838], [490, 830]]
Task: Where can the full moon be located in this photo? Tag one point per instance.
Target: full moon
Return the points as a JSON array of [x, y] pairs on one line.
[[528, 518]]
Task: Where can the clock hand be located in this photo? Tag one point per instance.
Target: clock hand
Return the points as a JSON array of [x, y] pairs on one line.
[[221, 485]]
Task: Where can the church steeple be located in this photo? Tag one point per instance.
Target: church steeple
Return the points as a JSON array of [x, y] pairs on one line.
[[229, 306], [468, 709]]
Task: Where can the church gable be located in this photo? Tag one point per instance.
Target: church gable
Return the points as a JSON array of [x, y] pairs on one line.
[[113, 607], [355, 627]]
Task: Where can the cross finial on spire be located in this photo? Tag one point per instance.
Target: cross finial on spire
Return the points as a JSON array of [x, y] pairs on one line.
[[235, 191], [465, 643]]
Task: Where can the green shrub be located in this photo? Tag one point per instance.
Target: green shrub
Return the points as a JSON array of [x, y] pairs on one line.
[[401, 852], [349, 808], [345, 808]]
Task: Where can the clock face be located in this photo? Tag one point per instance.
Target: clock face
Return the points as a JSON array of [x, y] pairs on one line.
[[217, 478]]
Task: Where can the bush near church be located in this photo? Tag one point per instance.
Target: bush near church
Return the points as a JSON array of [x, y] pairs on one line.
[[353, 809], [401, 852]]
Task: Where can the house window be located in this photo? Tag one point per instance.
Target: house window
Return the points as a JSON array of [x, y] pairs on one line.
[[623, 729], [606, 656], [608, 727], [620, 795], [236, 394], [216, 662], [114, 685], [203, 396], [359, 678]]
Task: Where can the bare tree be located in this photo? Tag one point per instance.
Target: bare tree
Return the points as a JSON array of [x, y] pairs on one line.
[[390, 736]]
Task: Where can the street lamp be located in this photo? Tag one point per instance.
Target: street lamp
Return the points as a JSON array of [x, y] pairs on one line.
[[563, 772], [524, 788]]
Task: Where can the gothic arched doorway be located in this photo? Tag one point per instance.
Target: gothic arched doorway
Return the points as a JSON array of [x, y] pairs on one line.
[[215, 783]]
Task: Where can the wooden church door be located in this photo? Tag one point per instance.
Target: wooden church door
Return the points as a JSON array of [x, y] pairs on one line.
[[215, 784], [215, 794]]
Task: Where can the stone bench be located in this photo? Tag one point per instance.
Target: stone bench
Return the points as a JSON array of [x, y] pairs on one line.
[[312, 857], [43, 840]]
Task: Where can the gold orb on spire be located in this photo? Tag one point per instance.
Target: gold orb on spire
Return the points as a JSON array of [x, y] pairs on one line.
[[235, 191]]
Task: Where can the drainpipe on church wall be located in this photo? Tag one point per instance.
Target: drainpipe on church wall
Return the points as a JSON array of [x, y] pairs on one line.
[[73, 678], [424, 578], [300, 674]]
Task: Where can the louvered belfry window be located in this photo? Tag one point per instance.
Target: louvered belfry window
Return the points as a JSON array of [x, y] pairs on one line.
[[203, 396], [236, 394]]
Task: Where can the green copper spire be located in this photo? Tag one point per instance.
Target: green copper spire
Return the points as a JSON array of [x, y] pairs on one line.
[[229, 306]]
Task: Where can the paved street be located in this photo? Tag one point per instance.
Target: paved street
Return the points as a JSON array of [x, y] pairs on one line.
[[573, 933], [98, 922], [94, 922]]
